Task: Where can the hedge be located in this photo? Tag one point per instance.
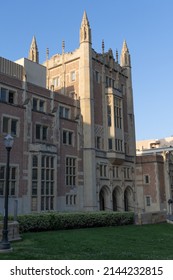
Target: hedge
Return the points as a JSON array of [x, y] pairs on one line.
[[56, 221]]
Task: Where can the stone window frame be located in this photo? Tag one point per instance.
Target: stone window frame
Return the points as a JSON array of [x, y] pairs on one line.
[[70, 171], [119, 143], [115, 171], [71, 199], [69, 137], [12, 179], [127, 172], [103, 170], [37, 107], [118, 112], [73, 76], [98, 142], [9, 130], [56, 81], [42, 137], [148, 200], [8, 99], [39, 194], [64, 112], [146, 178], [110, 144], [97, 77]]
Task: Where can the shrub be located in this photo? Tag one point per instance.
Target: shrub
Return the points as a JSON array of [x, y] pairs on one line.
[[56, 221]]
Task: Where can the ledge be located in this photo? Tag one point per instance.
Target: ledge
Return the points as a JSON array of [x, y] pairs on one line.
[[13, 231]]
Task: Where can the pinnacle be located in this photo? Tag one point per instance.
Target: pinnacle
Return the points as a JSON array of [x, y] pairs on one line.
[[125, 48], [85, 18]]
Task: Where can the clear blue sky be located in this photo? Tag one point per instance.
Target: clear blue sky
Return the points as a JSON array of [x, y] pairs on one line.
[[147, 26]]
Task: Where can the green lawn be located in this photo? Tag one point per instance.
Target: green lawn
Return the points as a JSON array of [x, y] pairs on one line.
[[110, 243]]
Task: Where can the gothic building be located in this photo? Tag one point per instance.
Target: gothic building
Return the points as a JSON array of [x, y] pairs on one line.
[[72, 119]]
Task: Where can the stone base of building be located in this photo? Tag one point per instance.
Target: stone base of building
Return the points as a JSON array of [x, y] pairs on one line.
[[13, 231], [151, 218]]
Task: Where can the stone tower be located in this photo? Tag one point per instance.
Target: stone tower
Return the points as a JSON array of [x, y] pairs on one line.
[[33, 52], [87, 111], [126, 65], [106, 135]]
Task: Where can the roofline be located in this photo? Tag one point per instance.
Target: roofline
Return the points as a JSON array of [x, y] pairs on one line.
[[154, 151]]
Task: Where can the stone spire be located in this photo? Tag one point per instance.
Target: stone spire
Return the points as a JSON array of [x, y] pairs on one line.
[[33, 52], [85, 31], [125, 56]]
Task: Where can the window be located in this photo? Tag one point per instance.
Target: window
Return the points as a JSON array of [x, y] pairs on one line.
[[10, 126], [34, 181], [47, 183], [64, 112], [12, 180], [110, 82], [110, 144], [126, 148], [7, 95], [97, 77], [41, 132], [146, 179], [113, 83], [98, 142], [42, 183], [148, 200], [107, 81], [71, 199], [126, 173], [41, 106], [38, 105], [34, 104], [56, 82], [119, 145], [11, 96], [73, 76], [3, 95], [103, 170], [70, 171], [67, 137], [118, 112], [109, 115], [115, 172]]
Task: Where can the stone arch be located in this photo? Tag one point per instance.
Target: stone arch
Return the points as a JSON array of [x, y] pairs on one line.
[[104, 198], [128, 199], [117, 199]]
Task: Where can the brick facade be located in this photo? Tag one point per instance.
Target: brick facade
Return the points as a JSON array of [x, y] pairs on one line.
[[74, 140]]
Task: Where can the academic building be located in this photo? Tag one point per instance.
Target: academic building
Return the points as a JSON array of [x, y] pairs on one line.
[[72, 120], [154, 175]]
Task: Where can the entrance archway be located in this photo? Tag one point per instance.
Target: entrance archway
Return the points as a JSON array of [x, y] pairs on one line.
[[128, 199], [117, 199], [104, 198]]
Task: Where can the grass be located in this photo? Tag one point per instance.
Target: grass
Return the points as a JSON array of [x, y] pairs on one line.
[[110, 243]]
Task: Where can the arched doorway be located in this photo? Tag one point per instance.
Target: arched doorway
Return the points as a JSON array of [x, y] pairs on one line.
[[104, 198], [117, 199], [128, 199]]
